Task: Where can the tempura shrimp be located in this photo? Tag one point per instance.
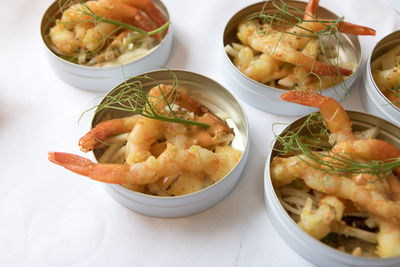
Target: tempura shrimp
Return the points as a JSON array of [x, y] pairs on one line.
[[171, 162]]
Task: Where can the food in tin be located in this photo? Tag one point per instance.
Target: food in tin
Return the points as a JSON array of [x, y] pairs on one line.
[[107, 32], [386, 74], [341, 187], [286, 51], [173, 146]]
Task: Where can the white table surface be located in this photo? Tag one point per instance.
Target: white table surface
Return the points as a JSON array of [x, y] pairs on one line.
[[51, 217]]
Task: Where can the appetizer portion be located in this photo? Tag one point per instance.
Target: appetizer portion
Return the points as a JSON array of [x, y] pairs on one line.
[[107, 32], [341, 187], [287, 51], [386, 73], [173, 146]]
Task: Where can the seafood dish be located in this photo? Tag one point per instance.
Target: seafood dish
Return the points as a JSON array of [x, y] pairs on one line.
[[340, 186], [286, 49], [106, 33], [386, 73], [172, 146]]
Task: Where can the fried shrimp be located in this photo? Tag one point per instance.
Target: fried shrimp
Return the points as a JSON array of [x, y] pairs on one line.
[[86, 31], [352, 172], [154, 156], [297, 49]]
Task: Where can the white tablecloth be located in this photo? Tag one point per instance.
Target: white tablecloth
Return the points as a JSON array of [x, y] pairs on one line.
[[51, 217]]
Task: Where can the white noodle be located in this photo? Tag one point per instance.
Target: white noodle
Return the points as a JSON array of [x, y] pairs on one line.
[[109, 152], [119, 155], [354, 232]]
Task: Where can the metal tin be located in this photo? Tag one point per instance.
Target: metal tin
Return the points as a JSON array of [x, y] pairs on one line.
[[102, 78], [223, 104], [265, 97], [375, 102], [306, 246]]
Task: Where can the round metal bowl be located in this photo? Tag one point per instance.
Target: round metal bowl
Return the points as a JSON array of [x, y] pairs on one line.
[[265, 97], [101, 78], [375, 102], [306, 246], [219, 101]]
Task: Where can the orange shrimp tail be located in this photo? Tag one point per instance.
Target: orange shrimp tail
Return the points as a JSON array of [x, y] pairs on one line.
[[350, 28], [305, 98], [154, 14], [191, 104], [74, 163], [104, 129], [151, 10], [311, 9], [333, 114], [105, 172], [92, 138], [324, 69], [319, 68]]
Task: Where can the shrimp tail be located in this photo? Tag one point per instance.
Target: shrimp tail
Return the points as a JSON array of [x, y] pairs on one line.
[[106, 173], [79, 165], [333, 114], [154, 13], [311, 10], [350, 28], [151, 10], [105, 129]]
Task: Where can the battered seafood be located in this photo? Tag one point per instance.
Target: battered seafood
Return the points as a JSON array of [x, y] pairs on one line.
[[386, 73], [348, 196], [107, 32], [158, 157], [293, 54]]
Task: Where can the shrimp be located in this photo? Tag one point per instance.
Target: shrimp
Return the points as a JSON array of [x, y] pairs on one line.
[[151, 10], [172, 161], [388, 239], [322, 24], [105, 129], [64, 40], [218, 132], [318, 223], [333, 114], [387, 80], [340, 186], [299, 46], [272, 43], [338, 122], [145, 133], [78, 29], [263, 68], [96, 37]]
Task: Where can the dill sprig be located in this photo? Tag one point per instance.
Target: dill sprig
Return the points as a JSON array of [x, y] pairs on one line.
[[289, 20], [311, 140], [131, 97]]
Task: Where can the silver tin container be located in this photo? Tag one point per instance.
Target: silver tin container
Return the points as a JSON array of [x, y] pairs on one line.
[[306, 246], [375, 102], [102, 78], [265, 97], [223, 104]]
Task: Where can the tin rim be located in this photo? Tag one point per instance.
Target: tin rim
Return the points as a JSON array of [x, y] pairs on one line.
[[253, 9], [360, 121], [53, 11], [100, 116]]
